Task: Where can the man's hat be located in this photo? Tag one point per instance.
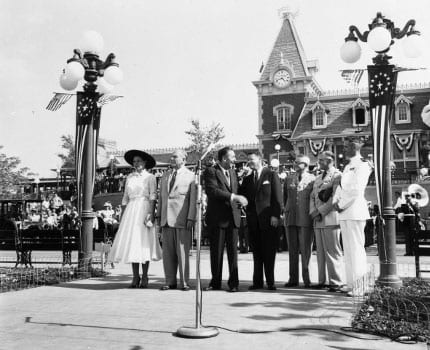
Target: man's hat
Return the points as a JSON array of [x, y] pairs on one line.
[[149, 160], [107, 204]]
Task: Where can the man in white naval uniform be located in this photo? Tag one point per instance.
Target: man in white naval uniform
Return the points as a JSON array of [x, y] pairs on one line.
[[349, 201]]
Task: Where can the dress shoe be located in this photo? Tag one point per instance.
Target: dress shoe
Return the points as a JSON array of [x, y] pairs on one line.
[[210, 288], [185, 288], [233, 290], [255, 287], [334, 289], [173, 286], [135, 282], [271, 287], [291, 284], [143, 283]]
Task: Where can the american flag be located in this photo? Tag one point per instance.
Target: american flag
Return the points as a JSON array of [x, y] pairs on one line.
[[87, 115], [105, 99], [352, 76], [57, 101], [382, 88]]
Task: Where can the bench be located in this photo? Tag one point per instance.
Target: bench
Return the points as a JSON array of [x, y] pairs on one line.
[[421, 248]]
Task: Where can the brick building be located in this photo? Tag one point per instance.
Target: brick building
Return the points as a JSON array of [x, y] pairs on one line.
[[297, 114]]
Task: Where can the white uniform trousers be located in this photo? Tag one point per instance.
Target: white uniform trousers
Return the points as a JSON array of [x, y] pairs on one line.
[[329, 256], [353, 248], [176, 254]]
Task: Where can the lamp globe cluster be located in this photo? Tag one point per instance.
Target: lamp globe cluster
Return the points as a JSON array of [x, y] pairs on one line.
[[91, 44]]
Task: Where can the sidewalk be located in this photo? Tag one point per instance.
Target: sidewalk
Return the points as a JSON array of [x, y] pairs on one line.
[[101, 313]]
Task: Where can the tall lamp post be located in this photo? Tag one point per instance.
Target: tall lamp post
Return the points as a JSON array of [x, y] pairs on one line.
[[58, 177], [277, 149], [99, 78], [382, 89], [37, 182]]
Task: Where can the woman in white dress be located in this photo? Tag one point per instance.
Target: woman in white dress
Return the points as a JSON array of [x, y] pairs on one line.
[[136, 241]]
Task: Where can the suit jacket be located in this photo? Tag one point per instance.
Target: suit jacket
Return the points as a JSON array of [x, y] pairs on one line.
[[220, 212], [350, 194], [329, 215], [178, 206], [264, 196], [297, 198]]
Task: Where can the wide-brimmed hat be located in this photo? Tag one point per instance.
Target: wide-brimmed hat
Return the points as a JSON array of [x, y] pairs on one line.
[[149, 160]]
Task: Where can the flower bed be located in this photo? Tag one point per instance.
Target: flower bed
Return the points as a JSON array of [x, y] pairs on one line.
[[397, 313], [21, 278]]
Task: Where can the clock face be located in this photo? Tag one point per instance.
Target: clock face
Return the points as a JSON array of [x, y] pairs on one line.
[[282, 78]]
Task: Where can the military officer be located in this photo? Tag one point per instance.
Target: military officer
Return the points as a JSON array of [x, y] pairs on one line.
[[298, 223], [351, 205]]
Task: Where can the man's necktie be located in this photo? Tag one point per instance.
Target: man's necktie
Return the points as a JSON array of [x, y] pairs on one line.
[[227, 175], [300, 178], [172, 181], [324, 174]]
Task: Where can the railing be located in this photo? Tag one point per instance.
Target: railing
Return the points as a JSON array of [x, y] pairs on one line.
[[364, 91]]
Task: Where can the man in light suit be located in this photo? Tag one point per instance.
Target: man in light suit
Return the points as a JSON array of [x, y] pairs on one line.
[[223, 217], [176, 215], [326, 223], [298, 223], [349, 201], [262, 189]]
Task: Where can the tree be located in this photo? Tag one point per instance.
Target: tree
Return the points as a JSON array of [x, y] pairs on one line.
[[201, 137], [68, 145], [11, 175]]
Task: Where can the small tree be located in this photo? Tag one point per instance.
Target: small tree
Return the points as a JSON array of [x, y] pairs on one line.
[[68, 157], [201, 137], [11, 175]]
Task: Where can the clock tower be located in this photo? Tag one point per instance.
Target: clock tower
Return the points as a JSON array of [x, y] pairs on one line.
[[284, 83]]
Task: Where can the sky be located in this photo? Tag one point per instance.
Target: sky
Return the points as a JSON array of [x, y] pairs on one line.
[[182, 59]]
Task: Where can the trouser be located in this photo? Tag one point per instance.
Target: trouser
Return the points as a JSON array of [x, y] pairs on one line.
[[243, 236], [353, 248], [329, 255], [265, 243], [176, 254], [299, 238], [221, 237]]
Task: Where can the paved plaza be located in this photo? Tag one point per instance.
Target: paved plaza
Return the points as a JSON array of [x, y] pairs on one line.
[[102, 313]]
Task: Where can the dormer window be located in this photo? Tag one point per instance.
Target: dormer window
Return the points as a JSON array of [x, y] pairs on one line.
[[283, 114], [360, 113], [403, 110], [319, 116]]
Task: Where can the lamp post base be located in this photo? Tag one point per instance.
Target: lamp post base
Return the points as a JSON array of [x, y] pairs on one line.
[[388, 276], [197, 333]]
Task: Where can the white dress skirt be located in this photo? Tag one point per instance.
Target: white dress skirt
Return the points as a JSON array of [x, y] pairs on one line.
[[134, 241]]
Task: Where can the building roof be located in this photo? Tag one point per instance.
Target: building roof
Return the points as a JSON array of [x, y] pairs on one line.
[[339, 116], [289, 49]]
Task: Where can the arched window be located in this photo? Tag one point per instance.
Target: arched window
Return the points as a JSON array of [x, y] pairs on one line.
[[360, 113], [403, 110], [284, 116], [319, 116]]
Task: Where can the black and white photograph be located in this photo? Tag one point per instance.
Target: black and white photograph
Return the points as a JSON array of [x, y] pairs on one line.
[[197, 174]]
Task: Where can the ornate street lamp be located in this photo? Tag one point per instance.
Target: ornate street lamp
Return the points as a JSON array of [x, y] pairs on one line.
[[382, 89], [99, 78]]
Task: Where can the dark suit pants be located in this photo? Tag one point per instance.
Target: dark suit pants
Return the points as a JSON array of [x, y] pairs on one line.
[[221, 237], [265, 243], [299, 239]]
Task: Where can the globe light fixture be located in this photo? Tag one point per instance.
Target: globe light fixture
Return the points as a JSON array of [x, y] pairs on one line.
[[68, 84], [113, 75], [74, 71], [379, 39], [92, 42], [350, 52], [277, 147]]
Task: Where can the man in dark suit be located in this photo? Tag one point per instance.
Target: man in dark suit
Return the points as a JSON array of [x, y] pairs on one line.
[[223, 217], [262, 189]]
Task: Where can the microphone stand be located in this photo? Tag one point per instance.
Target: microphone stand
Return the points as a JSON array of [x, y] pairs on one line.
[[198, 331]]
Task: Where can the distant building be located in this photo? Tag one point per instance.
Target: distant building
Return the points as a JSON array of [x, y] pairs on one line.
[[297, 114]]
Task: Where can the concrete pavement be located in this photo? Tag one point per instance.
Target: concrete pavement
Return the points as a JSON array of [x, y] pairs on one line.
[[101, 313]]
